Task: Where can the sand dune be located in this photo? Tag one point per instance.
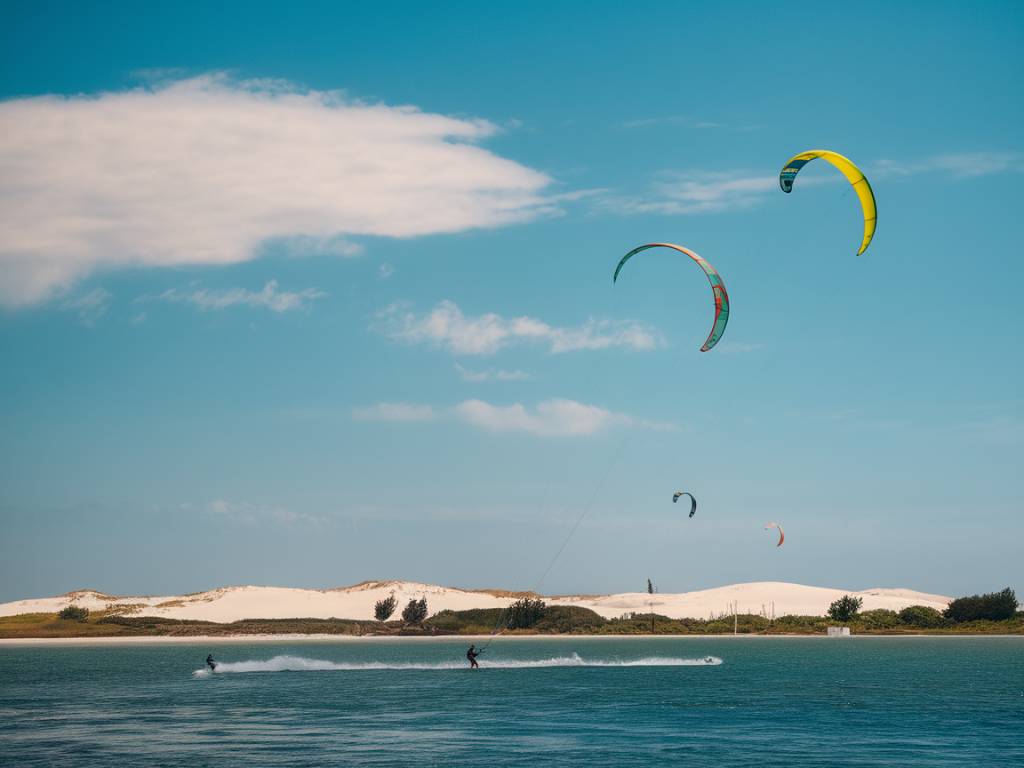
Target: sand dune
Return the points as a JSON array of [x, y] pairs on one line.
[[228, 604]]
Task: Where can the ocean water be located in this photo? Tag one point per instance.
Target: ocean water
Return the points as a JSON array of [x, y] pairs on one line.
[[552, 702]]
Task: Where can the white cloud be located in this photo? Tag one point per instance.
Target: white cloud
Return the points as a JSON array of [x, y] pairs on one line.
[[269, 298], [296, 246], [963, 165], [205, 170], [251, 514], [89, 307], [385, 270], [646, 122], [394, 412], [683, 120], [446, 326], [219, 507], [697, 192], [491, 374], [551, 418]]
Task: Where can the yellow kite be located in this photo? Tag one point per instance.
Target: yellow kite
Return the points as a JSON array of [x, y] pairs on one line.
[[853, 175]]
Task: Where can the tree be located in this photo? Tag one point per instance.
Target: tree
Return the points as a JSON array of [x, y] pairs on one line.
[[880, 618], [74, 613], [921, 616], [650, 587], [415, 612], [383, 609], [524, 613], [845, 608], [995, 606]]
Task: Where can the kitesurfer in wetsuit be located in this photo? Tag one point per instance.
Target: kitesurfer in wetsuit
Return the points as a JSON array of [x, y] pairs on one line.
[[211, 663], [471, 654]]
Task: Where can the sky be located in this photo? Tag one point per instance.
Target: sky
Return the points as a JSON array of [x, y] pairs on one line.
[[312, 295]]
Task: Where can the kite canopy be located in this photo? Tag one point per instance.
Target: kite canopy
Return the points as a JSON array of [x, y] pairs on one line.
[[693, 501], [782, 536], [852, 173], [717, 288]]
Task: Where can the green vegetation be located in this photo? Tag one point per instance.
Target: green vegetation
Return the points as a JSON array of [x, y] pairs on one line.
[[530, 615], [74, 613], [921, 616], [845, 608], [557, 619], [383, 609], [524, 613], [995, 606], [570, 620], [415, 612], [28, 625], [880, 618], [478, 621]]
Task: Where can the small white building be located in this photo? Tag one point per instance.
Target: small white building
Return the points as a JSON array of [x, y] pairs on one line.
[[838, 631]]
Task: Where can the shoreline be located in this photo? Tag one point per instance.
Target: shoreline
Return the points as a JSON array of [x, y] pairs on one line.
[[342, 639]]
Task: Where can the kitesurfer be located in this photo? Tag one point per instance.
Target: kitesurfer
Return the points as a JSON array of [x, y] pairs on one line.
[[471, 654], [211, 663]]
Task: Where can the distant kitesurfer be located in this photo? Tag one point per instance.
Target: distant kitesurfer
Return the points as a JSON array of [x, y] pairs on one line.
[[211, 663], [471, 654]]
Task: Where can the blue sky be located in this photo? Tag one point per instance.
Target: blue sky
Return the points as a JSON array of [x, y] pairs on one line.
[[305, 297]]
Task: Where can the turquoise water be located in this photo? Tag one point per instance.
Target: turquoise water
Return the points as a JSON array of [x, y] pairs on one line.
[[558, 702]]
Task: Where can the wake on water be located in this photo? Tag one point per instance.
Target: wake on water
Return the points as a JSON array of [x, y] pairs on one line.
[[300, 664]]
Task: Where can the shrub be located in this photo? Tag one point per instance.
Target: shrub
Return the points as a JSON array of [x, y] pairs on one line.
[[74, 613], [569, 618], [415, 612], [845, 608], [995, 606], [524, 613], [476, 620], [383, 609], [921, 616], [880, 618]]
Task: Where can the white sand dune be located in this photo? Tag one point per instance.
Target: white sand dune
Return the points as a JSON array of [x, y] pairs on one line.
[[229, 604]]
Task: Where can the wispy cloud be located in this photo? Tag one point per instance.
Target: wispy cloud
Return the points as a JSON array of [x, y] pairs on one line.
[[385, 270], [550, 418], [491, 374], [696, 192], [646, 122], [700, 192], [394, 412], [89, 307], [252, 514], [682, 121], [296, 246], [268, 298], [209, 168], [963, 165], [447, 327]]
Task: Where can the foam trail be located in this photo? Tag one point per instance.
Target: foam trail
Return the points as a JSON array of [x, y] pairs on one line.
[[300, 664]]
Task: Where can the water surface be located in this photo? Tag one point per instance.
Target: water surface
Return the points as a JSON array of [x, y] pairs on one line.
[[566, 701]]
